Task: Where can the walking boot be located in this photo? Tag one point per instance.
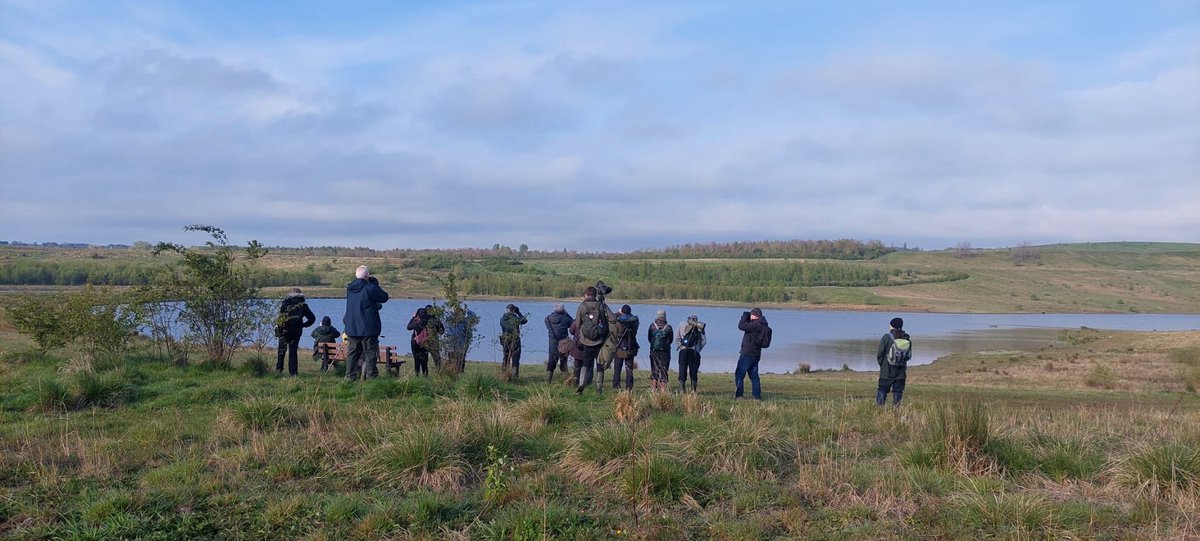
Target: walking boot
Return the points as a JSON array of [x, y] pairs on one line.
[[549, 377]]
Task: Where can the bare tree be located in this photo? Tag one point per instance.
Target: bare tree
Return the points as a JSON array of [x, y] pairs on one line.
[[964, 249]]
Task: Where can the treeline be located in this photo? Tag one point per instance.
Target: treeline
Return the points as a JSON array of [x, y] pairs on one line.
[[741, 281], [78, 273], [791, 249], [848, 249]]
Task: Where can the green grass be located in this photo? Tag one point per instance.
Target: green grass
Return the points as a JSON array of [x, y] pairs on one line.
[[161, 452]]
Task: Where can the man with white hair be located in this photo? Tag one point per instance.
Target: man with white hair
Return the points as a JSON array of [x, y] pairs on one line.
[[364, 299]]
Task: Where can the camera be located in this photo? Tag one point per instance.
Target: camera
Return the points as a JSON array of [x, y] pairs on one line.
[[602, 289]]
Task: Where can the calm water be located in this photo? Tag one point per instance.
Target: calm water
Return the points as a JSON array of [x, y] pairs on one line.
[[823, 339]]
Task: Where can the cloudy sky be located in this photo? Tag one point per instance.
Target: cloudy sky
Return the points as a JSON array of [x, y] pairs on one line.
[[600, 126]]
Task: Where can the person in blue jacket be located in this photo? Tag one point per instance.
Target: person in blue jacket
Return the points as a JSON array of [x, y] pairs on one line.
[[364, 299]]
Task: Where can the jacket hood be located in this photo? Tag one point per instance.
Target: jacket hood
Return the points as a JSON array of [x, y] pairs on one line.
[[357, 285], [625, 318]]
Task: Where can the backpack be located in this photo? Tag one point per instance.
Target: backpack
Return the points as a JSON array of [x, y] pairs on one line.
[[594, 324], [692, 338], [900, 352], [660, 339], [764, 338]]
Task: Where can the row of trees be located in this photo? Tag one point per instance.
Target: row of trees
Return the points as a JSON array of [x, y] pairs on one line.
[[127, 273]]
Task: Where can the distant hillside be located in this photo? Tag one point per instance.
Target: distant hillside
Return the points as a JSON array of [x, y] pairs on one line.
[[1089, 277]]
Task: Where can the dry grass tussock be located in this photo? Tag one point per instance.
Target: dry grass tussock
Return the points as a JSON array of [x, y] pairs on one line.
[[748, 446], [691, 404], [597, 455], [541, 409], [628, 408], [418, 457]]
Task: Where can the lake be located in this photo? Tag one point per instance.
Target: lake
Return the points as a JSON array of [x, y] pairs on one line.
[[823, 339]]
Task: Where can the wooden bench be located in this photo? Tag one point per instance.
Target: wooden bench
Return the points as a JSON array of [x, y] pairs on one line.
[[331, 353]]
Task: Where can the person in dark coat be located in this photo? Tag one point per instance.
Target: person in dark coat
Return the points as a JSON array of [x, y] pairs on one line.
[[510, 338], [755, 329], [690, 342], [627, 348], [659, 336], [593, 306], [891, 375], [558, 326], [325, 333], [364, 300], [424, 329], [294, 316]]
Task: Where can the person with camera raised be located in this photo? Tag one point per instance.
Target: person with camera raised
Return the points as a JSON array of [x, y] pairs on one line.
[[558, 325], [592, 316], [756, 336], [364, 300], [510, 339]]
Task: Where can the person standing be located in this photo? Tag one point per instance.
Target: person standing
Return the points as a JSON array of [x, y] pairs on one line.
[[660, 336], [756, 336], [326, 333], [294, 316], [691, 341], [558, 326], [364, 300], [510, 339], [627, 348], [423, 326], [893, 353], [592, 316]]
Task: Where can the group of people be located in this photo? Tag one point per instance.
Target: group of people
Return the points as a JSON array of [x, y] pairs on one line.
[[596, 339]]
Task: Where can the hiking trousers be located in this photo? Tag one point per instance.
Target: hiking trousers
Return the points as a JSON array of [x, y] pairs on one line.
[[420, 359], [512, 354], [660, 368], [689, 368], [618, 365], [289, 347], [585, 366], [362, 355]]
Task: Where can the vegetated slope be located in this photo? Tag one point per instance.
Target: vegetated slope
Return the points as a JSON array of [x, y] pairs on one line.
[[1103, 277]]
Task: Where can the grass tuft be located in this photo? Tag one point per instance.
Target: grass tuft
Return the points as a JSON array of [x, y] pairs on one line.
[[1101, 377], [263, 414], [419, 457], [1161, 470]]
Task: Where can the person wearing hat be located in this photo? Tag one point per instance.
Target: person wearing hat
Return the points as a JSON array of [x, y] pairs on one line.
[[756, 335], [627, 348], [895, 348], [510, 338], [364, 300], [325, 333], [660, 336], [691, 341], [558, 325]]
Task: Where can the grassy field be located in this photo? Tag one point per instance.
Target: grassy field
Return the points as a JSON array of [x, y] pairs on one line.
[[1096, 438], [1104, 277]]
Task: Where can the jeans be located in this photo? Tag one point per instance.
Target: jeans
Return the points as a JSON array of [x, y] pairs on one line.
[[287, 346], [689, 368], [747, 365], [362, 354], [896, 386]]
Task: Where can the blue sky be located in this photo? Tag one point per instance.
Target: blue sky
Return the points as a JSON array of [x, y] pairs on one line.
[[600, 126]]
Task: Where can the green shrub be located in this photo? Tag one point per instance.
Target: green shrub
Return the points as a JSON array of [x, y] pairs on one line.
[[1102, 377]]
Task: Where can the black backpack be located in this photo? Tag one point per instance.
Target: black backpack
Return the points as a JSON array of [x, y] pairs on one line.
[[692, 338], [764, 338]]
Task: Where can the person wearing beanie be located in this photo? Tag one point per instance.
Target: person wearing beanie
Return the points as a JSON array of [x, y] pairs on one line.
[[294, 316], [756, 335], [364, 300], [691, 341], [895, 348], [558, 325], [510, 339], [627, 348], [326, 333], [660, 336], [425, 328]]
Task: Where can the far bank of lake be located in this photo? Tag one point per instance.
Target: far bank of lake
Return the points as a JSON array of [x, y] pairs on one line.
[[824, 339]]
